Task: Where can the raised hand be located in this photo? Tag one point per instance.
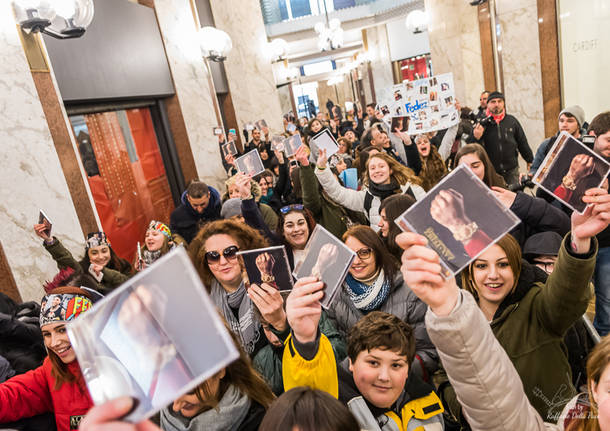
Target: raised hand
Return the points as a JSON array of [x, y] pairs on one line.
[[244, 185], [594, 220], [41, 229], [322, 159], [302, 156], [421, 270], [303, 308], [505, 196], [107, 417]]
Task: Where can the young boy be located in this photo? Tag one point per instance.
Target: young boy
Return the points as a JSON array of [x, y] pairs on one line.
[[374, 380]]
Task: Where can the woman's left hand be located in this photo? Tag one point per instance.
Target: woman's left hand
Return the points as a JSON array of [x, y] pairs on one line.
[[594, 220], [270, 303]]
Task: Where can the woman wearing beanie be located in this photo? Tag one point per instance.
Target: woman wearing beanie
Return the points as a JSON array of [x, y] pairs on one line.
[[99, 260], [157, 242], [56, 386]]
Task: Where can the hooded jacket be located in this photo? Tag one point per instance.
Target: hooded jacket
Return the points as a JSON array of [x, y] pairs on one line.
[[401, 302], [34, 393], [186, 222]]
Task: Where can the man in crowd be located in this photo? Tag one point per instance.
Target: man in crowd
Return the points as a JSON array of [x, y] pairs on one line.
[[503, 138], [257, 143], [200, 204], [482, 111]]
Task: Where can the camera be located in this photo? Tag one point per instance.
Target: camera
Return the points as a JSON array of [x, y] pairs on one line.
[[524, 182], [487, 121]]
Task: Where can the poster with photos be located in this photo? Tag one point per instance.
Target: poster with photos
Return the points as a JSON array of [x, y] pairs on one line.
[[267, 265], [229, 148], [569, 170], [324, 141], [328, 259], [138, 340], [460, 217], [292, 144], [250, 163]]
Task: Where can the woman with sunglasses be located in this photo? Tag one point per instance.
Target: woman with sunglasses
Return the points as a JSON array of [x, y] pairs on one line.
[[375, 283]]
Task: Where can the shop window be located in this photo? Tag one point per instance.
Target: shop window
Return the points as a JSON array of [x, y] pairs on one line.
[[126, 174]]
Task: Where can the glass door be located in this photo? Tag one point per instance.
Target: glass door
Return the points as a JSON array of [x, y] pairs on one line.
[[126, 174]]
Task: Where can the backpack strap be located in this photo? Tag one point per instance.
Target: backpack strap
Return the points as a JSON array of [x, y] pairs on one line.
[[368, 202]]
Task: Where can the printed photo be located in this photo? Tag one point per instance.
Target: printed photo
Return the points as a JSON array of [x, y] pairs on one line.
[[217, 131], [409, 85], [419, 126], [250, 163], [433, 82], [569, 170], [267, 265], [277, 143], [423, 89], [460, 217], [400, 123], [328, 259], [292, 144], [44, 219], [433, 96], [138, 341], [448, 100], [249, 127], [444, 86], [397, 95], [384, 110]]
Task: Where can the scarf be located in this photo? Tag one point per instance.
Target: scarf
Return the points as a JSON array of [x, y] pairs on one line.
[[382, 191], [246, 326], [368, 296], [227, 415], [150, 256], [497, 118]]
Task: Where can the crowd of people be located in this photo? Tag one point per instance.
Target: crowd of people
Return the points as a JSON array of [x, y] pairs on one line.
[[505, 345]]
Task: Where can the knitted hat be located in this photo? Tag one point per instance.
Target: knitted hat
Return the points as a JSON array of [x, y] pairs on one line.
[[231, 208], [495, 95], [95, 239], [161, 227], [576, 112]]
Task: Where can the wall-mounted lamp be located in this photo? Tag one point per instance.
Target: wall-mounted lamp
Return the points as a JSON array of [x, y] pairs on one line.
[[215, 43], [417, 21], [62, 19], [279, 49]]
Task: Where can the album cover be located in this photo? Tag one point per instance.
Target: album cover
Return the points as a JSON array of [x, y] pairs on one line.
[[328, 259], [260, 124], [268, 265], [250, 163], [229, 148], [292, 144], [460, 217], [569, 170], [324, 141], [277, 143], [154, 338]]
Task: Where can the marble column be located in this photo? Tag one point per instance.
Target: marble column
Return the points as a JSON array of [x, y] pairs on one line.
[[455, 46], [191, 83], [31, 176], [379, 52], [248, 65], [521, 65]]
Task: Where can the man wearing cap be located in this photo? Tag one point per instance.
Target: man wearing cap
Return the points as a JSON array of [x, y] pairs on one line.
[[571, 120], [503, 138]]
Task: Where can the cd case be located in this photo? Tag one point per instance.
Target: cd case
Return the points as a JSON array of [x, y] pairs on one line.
[[324, 141], [250, 163], [292, 144], [229, 148], [569, 170], [44, 219], [154, 338], [460, 217], [328, 259], [260, 124], [277, 143], [268, 265]]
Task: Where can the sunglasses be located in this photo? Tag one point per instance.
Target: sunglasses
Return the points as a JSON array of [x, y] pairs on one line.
[[229, 253], [364, 253], [289, 208]]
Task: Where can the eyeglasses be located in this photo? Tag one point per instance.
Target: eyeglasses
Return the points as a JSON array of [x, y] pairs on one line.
[[229, 253], [547, 267], [289, 208], [364, 253]]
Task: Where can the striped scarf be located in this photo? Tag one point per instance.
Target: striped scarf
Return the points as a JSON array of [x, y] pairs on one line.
[[365, 296]]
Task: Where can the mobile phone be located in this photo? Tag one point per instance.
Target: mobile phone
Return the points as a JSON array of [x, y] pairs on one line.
[[294, 163], [217, 131], [232, 131], [588, 140]]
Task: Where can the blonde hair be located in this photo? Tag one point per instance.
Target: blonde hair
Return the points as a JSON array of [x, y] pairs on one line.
[[400, 173], [255, 188]]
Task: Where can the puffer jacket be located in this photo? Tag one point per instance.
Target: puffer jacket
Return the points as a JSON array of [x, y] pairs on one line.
[[484, 378], [34, 393], [401, 302], [355, 199]]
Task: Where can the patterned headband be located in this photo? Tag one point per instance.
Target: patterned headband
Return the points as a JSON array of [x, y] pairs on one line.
[[157, 225], [95, 239], [65, 307]]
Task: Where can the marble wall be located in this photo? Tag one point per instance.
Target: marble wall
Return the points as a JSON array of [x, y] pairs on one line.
[[248, 65], [455, 46], [379, 52], [31, 176], [191, 82], [521, 65]]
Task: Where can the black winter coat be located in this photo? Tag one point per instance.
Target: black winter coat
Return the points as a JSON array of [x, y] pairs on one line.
[[186, 222], [537, 215]]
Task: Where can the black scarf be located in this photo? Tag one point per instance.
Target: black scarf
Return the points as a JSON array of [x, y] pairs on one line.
[[382, 191]]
